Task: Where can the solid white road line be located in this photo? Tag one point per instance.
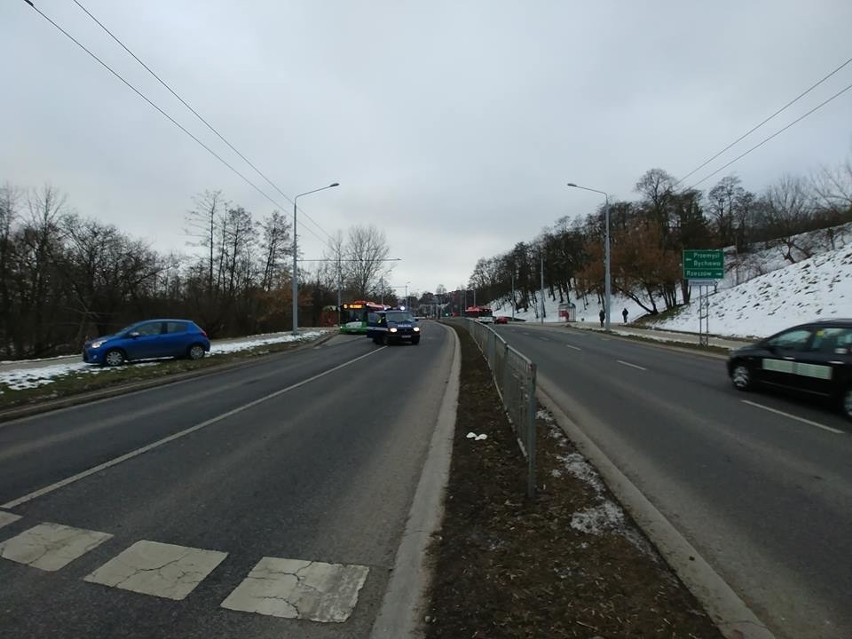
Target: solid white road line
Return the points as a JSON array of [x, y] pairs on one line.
[[641, 368], [165, 440], [576, 348], [798, 419]]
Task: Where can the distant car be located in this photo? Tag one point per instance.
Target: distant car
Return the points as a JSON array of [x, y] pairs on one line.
[[150, 339], [501, 319], [813, 358], [485, 319], [393, 326]]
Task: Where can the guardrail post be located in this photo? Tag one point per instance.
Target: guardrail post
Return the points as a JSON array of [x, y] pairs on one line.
[[531, 433], [507, 373]]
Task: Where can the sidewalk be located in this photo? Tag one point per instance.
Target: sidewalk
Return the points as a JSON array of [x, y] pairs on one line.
[[662, 336]]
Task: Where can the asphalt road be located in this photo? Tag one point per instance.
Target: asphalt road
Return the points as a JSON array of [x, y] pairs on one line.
[[766, 497], [269, 502]]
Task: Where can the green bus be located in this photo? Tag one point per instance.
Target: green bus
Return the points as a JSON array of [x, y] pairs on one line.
[[353, 316]]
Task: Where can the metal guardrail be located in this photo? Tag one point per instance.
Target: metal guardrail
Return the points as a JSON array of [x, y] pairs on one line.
[[515, 379]]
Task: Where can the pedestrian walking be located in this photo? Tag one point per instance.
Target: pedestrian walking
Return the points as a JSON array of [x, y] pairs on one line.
[[602, 316], [624, 315]]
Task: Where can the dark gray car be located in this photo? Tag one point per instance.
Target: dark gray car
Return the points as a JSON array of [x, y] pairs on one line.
[[814, 358]]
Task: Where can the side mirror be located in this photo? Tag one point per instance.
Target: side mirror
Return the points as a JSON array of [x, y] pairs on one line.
[[133, 334]]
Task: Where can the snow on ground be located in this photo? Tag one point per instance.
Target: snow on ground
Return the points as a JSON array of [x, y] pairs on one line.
[[784, 295], [816, 288], [602, 518], [42, 375]]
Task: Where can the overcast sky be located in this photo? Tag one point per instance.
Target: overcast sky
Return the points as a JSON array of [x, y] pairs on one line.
[[452, 126]]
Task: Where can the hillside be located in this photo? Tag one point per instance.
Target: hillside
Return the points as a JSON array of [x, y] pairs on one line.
[[772, 294], [815, 288]]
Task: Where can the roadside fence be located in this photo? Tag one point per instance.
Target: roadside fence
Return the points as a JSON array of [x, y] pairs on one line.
[[515, 378]]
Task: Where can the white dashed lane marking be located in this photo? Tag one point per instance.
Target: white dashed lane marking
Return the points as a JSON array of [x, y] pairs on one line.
[[7, 518], [641, 368], [165, 440], [576, 348], [161, 570], [50, 546], [297, 589]]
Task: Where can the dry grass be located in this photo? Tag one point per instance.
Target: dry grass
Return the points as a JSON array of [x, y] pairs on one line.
[[569, 563]]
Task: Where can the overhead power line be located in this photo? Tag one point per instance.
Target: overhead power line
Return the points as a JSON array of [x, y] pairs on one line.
[[161, 111], [760, 144], [195, 113], [756, 127]]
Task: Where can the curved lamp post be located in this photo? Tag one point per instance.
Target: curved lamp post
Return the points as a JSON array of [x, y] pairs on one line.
[[296, 256], [607, 280]]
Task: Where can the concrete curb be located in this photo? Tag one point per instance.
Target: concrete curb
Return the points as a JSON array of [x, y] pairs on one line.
[[730, 613], [401, 611]]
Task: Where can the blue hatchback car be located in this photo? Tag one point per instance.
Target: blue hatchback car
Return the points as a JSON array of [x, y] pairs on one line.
[[148, 340]]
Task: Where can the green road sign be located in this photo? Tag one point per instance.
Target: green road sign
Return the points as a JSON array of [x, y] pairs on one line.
[[703, 264]]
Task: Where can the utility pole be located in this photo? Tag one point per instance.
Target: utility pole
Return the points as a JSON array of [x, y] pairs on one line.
[[513, 292], [339, 286], [541, 255]]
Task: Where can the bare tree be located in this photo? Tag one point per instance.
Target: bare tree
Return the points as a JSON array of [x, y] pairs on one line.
[[656, 187], [106, 274], [277, 247], [833, 188], [41, 246], [366, 254], [9, 202], [788, 212], [332, 269], [722, 201], [239, 235], [202, 222]]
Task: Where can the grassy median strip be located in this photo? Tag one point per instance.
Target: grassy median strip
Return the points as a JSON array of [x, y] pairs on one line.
[[570, 563]]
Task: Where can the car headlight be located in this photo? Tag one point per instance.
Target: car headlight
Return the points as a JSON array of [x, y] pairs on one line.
[[98, 343], [393, 330], [416, 329]]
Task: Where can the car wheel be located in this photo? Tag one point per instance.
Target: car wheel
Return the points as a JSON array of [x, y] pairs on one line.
[[846, 402], [196, 351], [741, 376], [415, 341], [385, 340], [114, 358]]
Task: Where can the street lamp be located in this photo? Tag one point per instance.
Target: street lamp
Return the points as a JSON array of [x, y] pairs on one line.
[[607, 280], [296, 256]]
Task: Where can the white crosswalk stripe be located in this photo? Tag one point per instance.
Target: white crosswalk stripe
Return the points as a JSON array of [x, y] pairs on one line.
[[50, 546], [161, 570], [297, 589], [277, 587], [7, 518]]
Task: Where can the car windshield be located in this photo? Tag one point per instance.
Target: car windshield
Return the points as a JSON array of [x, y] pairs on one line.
[[399, 316]]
